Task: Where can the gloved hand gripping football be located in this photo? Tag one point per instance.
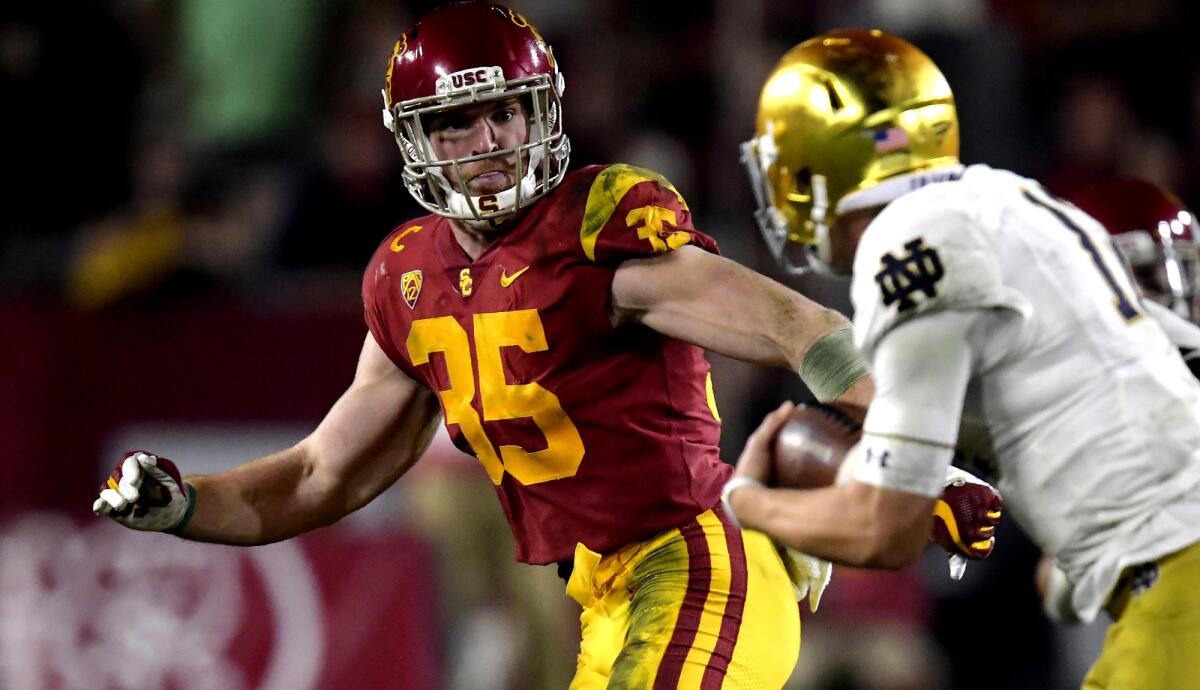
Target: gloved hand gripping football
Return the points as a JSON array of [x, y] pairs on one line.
[[965, 519], [146, 492]]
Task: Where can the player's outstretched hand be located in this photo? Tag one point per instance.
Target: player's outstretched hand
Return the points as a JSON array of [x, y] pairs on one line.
[[966, 515], [146, 492]]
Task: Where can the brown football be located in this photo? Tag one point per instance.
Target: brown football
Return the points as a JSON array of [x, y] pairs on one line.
[[812, 443]]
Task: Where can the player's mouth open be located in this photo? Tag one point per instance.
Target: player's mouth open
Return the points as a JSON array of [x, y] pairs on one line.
[[490, 178]]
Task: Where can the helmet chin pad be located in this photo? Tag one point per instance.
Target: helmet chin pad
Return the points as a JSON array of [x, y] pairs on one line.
[[484, 210]]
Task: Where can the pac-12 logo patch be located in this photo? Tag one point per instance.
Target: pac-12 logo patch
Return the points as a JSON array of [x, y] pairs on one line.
[[901, 278], [410, 287]]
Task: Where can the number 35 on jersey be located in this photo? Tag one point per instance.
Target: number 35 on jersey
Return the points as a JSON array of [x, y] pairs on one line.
[[499, 399]]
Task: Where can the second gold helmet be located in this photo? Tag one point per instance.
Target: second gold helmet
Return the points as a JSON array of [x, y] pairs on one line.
[[846, 120]]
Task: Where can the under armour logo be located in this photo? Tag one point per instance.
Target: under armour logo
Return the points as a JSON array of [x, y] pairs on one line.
[[880, 458], [899, 279]]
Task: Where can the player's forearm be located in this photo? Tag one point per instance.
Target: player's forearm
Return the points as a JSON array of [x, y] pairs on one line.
[[762, 321], [758, 320], [267, 500], [726, 308], [844, 524]]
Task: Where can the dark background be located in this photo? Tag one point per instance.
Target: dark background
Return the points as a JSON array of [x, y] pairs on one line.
[[192, 188]]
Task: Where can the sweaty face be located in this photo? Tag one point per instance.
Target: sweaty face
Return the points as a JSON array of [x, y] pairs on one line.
[[480, 129]]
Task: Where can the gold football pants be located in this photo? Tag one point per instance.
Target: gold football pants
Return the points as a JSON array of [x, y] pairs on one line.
[[1155, 642], [705, 606]]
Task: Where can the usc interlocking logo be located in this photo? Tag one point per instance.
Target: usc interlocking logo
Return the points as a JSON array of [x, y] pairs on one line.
[[918, 271], [465, 284]]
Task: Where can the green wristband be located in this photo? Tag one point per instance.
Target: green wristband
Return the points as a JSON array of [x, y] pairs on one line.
[[191, 508], [832, 365]]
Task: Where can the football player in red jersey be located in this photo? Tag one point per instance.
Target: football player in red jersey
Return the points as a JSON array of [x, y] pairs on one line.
[[557, 322]]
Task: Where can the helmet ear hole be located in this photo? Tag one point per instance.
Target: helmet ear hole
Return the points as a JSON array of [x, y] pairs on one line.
[[835, 101], [802, 191]]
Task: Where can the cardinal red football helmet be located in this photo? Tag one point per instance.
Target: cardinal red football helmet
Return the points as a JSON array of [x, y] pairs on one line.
[[466, 53], [1156, 234]]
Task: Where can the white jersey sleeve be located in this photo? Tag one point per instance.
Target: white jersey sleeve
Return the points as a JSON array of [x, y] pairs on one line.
[[924, 254], [1077, 406], [1183, 333], [921, 372]]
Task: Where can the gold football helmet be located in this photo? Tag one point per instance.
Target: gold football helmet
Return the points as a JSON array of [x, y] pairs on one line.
[[847, 120]]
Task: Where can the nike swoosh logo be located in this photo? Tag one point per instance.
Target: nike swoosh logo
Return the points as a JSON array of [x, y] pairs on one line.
[[506, 280]]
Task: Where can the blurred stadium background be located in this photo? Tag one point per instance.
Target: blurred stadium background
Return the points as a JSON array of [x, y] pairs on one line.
[[192, 190]]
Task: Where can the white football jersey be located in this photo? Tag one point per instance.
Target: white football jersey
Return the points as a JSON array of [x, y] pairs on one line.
[[1093, 419]]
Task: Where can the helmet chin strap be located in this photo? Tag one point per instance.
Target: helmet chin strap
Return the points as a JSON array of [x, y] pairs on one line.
[[506, 201], [821, 257]]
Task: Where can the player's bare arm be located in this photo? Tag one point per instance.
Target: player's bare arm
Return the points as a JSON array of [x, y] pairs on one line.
[[374, 433], [855, 523], [377, 430], [883, 515], [722, 306]]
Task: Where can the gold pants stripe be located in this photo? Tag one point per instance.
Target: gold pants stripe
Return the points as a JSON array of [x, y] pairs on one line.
[[702, 607]]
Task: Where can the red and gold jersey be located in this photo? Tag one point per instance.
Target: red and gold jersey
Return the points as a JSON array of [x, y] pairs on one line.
[[591, 433]]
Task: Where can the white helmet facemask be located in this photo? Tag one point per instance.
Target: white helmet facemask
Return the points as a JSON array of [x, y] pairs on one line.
[[541, 162], [499, 206]]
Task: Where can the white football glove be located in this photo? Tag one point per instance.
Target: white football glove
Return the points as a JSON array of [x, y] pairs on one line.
[[146, 493], [809, 575]]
